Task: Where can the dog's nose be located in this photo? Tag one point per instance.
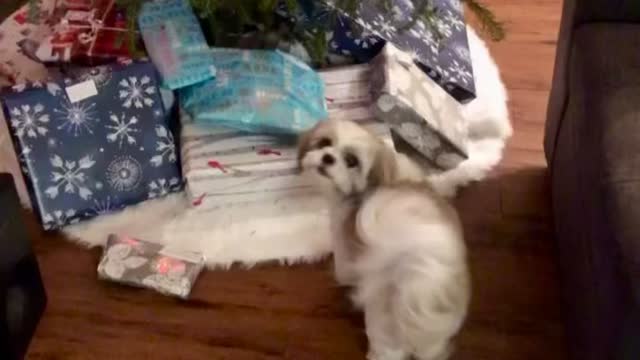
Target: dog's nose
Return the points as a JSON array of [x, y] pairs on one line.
[[328, 159]]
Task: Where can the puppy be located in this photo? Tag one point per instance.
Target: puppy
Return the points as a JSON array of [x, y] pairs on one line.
[[396, 241]]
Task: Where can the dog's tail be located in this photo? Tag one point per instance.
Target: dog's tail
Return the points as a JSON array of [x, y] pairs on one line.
[[429, 305]]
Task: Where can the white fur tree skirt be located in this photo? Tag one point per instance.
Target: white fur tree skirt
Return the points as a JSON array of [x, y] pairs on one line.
[[298, 233]]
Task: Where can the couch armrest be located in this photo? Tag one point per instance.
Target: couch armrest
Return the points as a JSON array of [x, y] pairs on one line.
[[588, 11], [574, 14]]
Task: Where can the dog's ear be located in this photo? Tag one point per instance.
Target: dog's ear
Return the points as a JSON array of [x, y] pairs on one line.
[[384, 168]]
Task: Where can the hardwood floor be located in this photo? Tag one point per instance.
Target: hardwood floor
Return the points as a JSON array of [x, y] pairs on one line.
[[297, 313]]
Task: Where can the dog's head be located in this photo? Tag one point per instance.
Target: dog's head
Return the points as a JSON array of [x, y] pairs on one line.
[[345, 157]]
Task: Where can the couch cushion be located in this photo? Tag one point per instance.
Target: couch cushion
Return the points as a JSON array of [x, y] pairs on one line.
[[604, 86]]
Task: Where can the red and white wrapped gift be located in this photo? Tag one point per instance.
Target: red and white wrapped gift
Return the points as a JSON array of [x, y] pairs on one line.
[[89, 32]]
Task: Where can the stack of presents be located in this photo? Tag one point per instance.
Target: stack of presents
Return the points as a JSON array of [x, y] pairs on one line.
[[92, 128]]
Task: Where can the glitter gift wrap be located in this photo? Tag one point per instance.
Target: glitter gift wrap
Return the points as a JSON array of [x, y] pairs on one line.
[[94, 143], [144, 264], [259, 91], [223, 167], [175, 43], [417, 109]]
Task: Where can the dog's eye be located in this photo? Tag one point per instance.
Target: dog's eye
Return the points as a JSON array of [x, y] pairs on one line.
[[324, 142], [351, 160]]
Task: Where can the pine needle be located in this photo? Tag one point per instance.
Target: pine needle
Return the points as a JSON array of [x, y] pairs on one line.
[[490, 25]]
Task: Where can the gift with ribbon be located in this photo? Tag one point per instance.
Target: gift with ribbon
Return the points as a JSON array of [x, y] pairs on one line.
[[87, 35]]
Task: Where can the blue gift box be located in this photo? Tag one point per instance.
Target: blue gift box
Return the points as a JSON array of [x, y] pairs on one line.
[[441, 51], [93, 143]]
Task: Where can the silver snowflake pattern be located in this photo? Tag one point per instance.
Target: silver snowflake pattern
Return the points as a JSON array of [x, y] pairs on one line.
[[459, 72], [398, 14], [29, 121], [76, 117], [103, 207], [431, 41], [444, 28], [122, 129], [136, 92], [70, 176], [124, 173], [456, 5], [385, 28], [52, 88], [59, 218], [452, 19], [162, 187], [462, 52], [165, 146]]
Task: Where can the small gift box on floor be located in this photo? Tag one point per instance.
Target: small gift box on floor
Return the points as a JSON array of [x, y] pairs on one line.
[[144, 264], [93, 144], [223, 167], [417, 109], [93, 34]]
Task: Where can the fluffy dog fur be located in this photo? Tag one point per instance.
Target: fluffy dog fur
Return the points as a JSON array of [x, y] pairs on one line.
[[396, 241]]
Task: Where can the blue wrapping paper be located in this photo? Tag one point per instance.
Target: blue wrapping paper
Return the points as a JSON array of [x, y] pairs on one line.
[[444, 58], [257, 91], [94, 143], [175, 42]]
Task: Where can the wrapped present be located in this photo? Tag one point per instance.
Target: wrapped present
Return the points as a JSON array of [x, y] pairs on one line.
[[175, 42], [144, 264], [417, 109], [88, 35], [18, 34], [345, 44], [258, 91], [441, 51], [94, 143], [223, 167]]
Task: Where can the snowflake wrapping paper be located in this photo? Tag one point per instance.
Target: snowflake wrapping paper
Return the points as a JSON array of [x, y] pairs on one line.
[[259, 91], [223, 167], [417, 109], [143, 264], [345, 44], [444, 58], [84, 157]]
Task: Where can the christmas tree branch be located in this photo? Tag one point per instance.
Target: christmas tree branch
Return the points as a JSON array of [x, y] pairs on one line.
[[490, 25]]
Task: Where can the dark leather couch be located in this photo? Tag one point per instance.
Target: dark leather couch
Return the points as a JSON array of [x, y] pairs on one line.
[[592, 146]]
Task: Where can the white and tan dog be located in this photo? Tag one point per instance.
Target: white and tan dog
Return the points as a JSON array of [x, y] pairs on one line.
[[397, 242]]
